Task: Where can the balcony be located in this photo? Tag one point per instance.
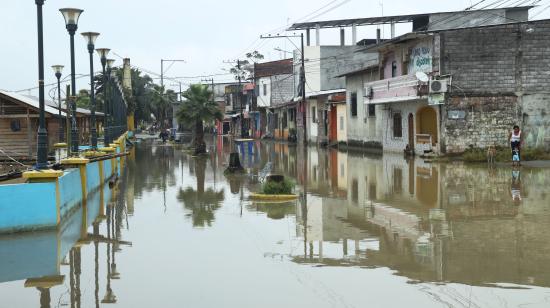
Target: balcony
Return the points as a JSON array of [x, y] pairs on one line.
[[397, 89]]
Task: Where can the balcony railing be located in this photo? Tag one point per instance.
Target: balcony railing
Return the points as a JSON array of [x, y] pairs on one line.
[[397, 89]]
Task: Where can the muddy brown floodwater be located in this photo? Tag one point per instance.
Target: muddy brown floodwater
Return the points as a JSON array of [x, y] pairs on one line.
[[366, 231]]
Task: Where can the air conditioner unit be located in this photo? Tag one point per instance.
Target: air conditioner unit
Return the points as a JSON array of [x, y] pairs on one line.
[[368, 92], [438, 86]]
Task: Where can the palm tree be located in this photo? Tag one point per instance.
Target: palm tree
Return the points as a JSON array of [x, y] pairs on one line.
[[199, 109], [161, 101]]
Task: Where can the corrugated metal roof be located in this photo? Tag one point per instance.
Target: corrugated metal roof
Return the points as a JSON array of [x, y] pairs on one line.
[[31, 102], [341, 23]]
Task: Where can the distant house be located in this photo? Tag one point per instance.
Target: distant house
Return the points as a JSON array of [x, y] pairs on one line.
[[274, 87], [83, 119], [19, 125]]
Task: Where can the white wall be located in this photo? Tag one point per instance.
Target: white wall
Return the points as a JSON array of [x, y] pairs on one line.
[[264, 98]]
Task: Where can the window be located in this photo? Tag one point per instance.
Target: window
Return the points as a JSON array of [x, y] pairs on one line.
[[285, 119], [265, 89], [354, 104], [341, 123], [397, 126], [292, 112], [313, 114], [372, 110], [394, 69]]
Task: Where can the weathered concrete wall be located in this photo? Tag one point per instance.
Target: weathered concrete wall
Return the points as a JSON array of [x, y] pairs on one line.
[[282, 89], [504, 72], [487, 121], [536, 120], [476, 18], [362, 130], [342, 119]]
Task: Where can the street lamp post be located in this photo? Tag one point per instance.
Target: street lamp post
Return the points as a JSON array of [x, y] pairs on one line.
[[71, 21], [110, 107], [42, 134], [91, 37], [58, 69], [103, 53]]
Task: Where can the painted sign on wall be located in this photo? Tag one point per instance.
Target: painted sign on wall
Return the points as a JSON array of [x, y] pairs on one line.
[[421, 58]]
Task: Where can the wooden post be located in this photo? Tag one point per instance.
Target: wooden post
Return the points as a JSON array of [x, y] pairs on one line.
[[29, 134]]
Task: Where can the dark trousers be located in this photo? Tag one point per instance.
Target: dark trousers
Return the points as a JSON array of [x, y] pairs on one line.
[[514, 145]]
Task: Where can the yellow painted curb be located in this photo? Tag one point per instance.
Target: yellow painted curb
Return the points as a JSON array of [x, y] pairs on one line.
[[93, 154], [264, 197], [60, 145], [75, 161], [44, 282], [107, 150], [43, 174]]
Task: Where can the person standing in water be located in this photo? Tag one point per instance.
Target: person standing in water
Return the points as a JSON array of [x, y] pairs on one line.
[[516, 140]]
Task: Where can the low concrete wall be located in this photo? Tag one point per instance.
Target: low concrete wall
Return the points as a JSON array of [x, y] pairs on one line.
[[33, 206]]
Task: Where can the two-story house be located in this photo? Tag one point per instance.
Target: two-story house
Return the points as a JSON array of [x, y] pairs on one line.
[[274, 87]]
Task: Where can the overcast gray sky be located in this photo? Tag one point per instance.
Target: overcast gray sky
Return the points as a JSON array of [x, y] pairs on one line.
[[204, 33]]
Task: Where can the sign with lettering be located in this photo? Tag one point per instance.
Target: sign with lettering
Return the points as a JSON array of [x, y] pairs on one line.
[[421, 58]]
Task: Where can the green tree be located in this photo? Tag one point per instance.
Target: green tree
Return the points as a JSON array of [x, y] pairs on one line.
[[198, 109], [83, 99], [243, 68], [161, 103]]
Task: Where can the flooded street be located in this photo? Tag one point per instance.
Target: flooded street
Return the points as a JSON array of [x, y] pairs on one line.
[[366, 231]]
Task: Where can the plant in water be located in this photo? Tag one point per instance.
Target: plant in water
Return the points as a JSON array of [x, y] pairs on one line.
[[278, 188]]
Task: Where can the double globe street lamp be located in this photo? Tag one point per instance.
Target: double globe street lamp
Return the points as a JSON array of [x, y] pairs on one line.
[[58, 69], [91, 37], [71, 17]]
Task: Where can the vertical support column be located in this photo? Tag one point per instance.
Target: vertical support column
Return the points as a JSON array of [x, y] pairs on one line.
[[318, 35], [378, 38], [342, 37], [308, 37], [353, 34], [392, 30]]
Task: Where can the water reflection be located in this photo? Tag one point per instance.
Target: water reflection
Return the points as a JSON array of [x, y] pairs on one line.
[[200, 203], [443, 223]]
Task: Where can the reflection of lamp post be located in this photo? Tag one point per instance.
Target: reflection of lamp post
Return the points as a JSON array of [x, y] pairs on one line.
[[91, 37], [71, 21], [58, 69], [42, 140], [109, 297]]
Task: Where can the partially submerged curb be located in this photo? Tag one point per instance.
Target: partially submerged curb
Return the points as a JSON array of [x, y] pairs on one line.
[[265, 197]]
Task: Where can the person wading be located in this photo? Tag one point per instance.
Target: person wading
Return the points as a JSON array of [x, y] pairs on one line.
[[516, 141]]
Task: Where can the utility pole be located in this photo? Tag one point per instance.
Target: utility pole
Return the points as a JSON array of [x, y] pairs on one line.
[[162, 68], [302, 76], [239, 94]]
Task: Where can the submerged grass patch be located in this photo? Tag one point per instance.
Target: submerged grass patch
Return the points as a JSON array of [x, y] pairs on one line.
[[278, 188]]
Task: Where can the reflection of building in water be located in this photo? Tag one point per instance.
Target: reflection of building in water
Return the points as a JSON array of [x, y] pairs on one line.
[[430, 222]]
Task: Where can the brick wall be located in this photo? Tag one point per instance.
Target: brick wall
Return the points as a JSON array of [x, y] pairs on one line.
[[498, 68], [487, 121]]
